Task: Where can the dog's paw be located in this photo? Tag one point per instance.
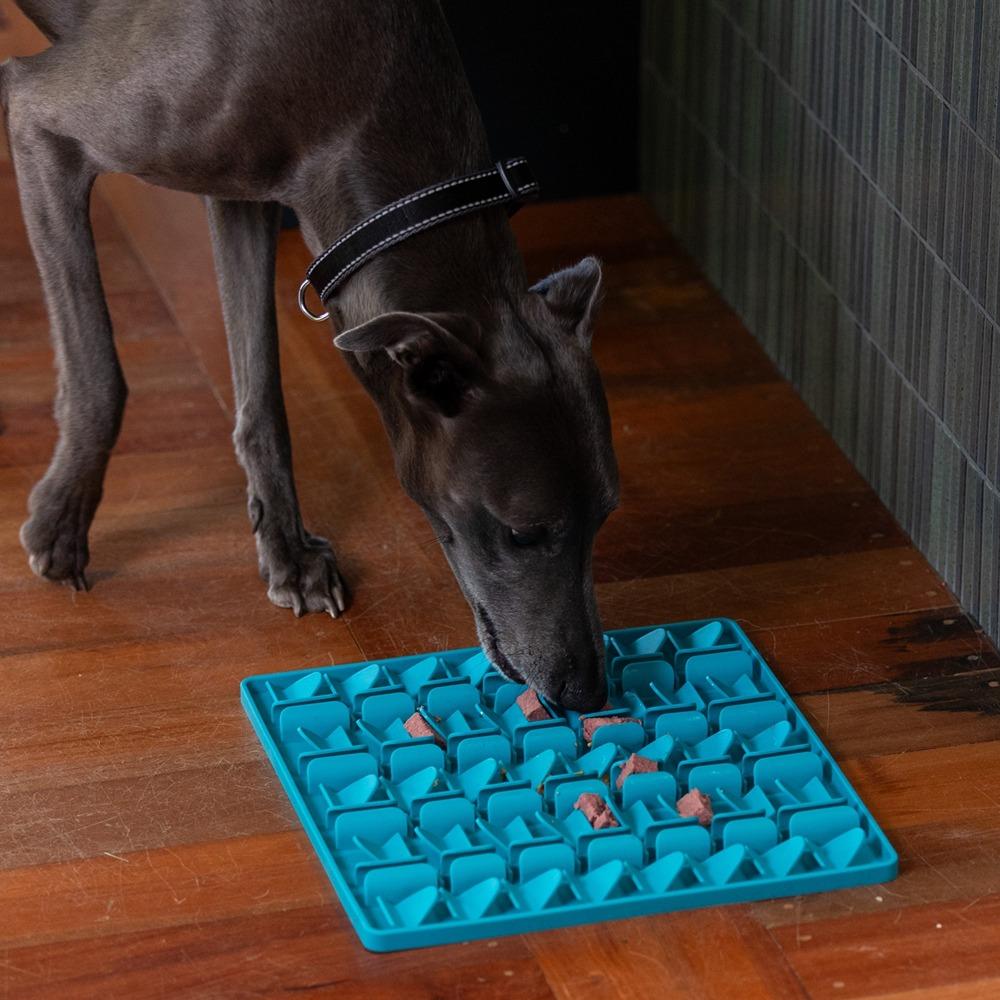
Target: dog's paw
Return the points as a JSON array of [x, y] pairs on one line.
[[303, 575], [55, 534]]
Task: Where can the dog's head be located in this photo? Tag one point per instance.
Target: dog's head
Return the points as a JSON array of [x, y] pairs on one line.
[[503, 438]]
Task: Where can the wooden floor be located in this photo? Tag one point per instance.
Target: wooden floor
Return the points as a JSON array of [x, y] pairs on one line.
[[146, 850]]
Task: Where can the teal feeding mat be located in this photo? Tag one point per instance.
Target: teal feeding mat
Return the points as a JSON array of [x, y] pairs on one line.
[[471, 831]]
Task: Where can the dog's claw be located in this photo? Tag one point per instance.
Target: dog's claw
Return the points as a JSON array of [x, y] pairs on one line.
[[339, 597], [256, 511], [40, 562]]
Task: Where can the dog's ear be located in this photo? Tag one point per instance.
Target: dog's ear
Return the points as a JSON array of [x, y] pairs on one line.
[[573, 295], [441, 369]]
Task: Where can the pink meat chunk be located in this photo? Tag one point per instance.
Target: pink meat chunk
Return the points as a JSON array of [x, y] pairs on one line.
[[534, 710], [696, 804], [591, 724], [417, 726], [636, 764], [597, 811]]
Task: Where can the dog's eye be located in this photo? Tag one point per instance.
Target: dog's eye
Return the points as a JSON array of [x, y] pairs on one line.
[[530, 536]]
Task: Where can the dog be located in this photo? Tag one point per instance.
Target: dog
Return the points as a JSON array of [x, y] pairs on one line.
[[487, 388]]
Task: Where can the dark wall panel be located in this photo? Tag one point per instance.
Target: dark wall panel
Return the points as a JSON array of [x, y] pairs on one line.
[[833, 164], [558, 81]]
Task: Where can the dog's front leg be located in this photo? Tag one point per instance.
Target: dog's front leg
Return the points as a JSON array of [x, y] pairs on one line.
[[299, 568], [55, 177]]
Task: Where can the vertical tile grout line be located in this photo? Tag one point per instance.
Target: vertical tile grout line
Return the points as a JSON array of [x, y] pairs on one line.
[[994, 323], [924, 79]]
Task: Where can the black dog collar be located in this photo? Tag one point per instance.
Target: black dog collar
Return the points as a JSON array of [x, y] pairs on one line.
[[510, 181]]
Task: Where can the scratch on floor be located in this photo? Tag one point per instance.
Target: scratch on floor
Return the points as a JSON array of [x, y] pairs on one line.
[[156, 871]]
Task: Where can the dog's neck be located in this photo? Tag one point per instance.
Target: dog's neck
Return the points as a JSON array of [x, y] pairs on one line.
[[470, 265], [422, 127], [465, 265]]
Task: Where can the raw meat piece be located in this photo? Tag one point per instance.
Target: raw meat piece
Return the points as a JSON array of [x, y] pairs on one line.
[[696, 804], [636, 764], [598, 814], [589, 725], [417, 726], [534, 710]]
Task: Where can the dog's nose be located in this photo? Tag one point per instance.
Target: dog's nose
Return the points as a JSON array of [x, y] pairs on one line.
[[572, 697]]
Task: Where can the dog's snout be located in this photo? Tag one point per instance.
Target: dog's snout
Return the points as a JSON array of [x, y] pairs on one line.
[[584, 685], [577, 700]]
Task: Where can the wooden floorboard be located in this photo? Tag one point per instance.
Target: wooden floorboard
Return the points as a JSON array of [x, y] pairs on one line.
[[146, 849]]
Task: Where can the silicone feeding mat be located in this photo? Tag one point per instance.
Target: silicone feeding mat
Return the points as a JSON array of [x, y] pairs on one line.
[[472, 833]]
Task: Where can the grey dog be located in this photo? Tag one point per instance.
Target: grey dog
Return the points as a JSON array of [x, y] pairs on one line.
[[487, 388]]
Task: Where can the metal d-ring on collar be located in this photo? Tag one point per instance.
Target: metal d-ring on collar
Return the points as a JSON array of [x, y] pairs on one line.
[[508, 182], [304, 309]]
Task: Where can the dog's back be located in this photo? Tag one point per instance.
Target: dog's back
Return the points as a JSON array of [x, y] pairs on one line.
[[227, 99]]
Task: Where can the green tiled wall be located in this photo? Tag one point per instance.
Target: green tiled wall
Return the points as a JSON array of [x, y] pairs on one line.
[[834, 167]]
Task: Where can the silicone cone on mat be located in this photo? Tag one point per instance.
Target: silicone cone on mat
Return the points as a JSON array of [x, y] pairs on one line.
[[659, 749], [650, 642], [707, 635], [472, 781], [475, 667], [662, 874], [415, 909], [363, 680], [544, 889], [535, 769], [304, 687], [417, 784], [784, 858], [394, 849], [844, 849], [609, 880], [771, 738], [599, 759], [717, 745], [358, 792], [516, 830], [478, 900], [456, 839], [336, 739], [421, 673], [723, 867]]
